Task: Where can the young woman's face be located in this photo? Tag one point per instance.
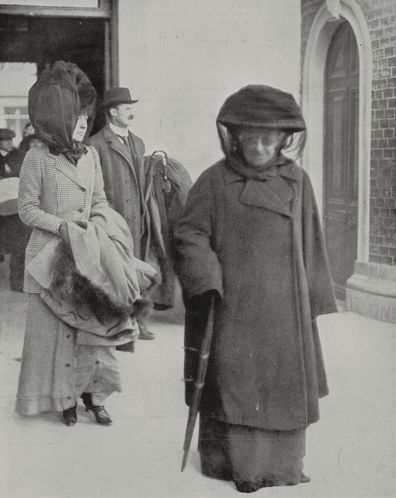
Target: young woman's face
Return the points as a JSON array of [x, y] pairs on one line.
[[81, 128], [259, 145]]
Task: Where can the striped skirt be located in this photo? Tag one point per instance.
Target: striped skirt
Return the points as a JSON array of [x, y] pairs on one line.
[[55, 370], [253, 458]]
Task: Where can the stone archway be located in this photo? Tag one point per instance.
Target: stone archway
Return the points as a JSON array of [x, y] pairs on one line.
[[326, 21]]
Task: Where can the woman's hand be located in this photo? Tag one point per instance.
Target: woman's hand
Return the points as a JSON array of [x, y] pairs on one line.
[[64, 233]]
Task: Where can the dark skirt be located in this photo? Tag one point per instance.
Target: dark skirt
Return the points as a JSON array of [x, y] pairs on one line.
[[252, 458]]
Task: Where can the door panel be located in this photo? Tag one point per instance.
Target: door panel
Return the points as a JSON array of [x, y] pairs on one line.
[[336, 134], [341, 178]]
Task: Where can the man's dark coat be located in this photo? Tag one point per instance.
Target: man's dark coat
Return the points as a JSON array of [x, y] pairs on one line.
[[134, 187], [123, 175], [259, 244]]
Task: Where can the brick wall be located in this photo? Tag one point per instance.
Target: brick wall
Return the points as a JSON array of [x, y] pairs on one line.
[[381, 19]]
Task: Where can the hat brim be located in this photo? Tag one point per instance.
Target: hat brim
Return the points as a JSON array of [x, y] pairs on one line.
[[113, 103], [294, 126], [7, 136]]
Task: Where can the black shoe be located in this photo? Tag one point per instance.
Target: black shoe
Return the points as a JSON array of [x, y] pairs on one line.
[[246, 486], [99, 411], [252, 486], [144, 332], [70, 415], [129, 347]]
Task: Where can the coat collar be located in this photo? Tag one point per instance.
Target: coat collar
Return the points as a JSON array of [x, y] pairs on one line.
[[114, 142], [132, 159], [287, 170], [67, 168], [274, 195]]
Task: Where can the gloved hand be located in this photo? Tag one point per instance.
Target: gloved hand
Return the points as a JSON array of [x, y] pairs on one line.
[[203, 300], [64, 233]]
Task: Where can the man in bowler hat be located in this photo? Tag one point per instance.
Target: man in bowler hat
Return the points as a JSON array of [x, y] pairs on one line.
[[121, 156]]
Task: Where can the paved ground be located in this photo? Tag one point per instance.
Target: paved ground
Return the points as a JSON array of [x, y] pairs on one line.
[[351, 452]]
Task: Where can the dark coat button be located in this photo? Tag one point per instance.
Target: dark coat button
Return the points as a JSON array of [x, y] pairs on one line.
[[68, 364], [81, 210]]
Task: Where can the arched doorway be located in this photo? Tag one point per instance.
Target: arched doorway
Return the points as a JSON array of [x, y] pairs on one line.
[[341, 162]]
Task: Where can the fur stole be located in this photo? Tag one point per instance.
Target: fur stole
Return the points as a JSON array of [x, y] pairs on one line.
[[68, 284]]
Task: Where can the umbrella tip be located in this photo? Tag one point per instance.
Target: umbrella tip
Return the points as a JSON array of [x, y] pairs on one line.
[[183, 465]]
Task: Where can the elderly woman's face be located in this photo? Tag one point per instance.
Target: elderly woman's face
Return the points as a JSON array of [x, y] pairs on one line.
[[81, 128], [259, 145]]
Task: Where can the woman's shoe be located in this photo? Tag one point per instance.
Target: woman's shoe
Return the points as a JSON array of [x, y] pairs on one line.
[[246, 486], [70, 415], [99, 411]]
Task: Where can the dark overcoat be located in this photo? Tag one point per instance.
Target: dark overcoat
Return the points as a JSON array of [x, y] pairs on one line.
[[123, 175], [259, 244], [167, 187]]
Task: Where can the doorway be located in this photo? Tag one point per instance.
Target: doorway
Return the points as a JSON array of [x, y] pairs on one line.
[[44, 38], [341, 145]]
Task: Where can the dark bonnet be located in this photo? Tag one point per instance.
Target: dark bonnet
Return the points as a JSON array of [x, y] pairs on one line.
[[56, 100], [262, 106]]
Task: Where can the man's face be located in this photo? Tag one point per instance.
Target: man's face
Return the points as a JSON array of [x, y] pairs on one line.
[[7, 145], [121, 115]]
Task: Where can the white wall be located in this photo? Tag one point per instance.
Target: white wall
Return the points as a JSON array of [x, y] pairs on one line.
[[182, 58]]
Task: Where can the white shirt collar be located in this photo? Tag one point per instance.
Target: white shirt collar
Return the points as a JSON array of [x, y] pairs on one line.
[[122, 132]]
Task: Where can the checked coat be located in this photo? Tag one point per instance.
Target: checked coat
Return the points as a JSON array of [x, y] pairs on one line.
[[55, 368], [51, 190]]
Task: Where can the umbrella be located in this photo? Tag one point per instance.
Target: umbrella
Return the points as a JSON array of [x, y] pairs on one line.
[[199, 383]]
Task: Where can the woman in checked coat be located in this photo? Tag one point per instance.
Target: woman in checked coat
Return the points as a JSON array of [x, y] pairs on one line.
[[250, 236], [60, 181]]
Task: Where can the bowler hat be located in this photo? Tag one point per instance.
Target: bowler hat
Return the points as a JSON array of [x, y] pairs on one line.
[[6, 134], [116, 96]]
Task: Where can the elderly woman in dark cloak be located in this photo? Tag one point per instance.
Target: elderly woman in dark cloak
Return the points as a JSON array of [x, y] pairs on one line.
[[60, 183], [250, 237]]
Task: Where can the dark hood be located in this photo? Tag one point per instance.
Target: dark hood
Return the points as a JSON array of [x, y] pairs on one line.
[[56, 100]]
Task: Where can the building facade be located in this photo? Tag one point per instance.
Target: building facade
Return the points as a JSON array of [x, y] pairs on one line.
[[182, 58], [348, 90]]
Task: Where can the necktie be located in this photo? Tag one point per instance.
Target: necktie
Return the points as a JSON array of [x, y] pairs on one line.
[[123, 139]]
